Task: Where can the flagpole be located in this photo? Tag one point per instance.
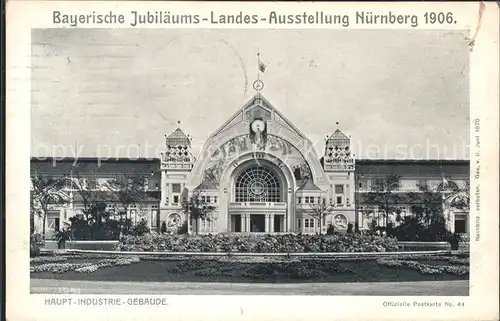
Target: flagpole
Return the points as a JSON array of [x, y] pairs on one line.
[[258, 64]]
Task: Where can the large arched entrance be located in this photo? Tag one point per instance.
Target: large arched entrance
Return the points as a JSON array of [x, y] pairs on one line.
[[258, 198]]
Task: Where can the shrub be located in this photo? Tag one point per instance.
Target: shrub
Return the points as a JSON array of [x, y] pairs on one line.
[[36, 240], [163, 228], [183, 229], [34, 250], [140, 229], [414, 228], [278, 243]]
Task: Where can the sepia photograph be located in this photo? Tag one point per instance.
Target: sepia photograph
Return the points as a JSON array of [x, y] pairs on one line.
[[250, 162]]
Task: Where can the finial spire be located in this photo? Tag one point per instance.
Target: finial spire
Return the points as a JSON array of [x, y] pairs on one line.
[[178, 122]]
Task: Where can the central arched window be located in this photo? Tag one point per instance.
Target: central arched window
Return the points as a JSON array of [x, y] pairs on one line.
[[258, 184]]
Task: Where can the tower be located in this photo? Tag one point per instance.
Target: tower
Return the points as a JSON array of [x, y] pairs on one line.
[[176, 165], [339, 165]]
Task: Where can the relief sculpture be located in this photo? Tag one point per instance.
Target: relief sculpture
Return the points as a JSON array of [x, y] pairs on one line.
[[232, 149]]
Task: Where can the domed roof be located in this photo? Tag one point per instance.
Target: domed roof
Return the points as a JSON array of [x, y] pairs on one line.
[[178, 138]]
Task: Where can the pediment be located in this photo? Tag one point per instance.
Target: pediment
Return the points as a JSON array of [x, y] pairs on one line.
[[258, 107]]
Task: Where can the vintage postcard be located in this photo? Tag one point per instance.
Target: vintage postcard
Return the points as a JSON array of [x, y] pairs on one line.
[[209, 160]]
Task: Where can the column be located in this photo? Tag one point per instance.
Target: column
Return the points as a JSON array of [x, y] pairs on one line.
[[247, 225], [267, 223], [164, 188], [243, 228], [271, 223], [348, 194], [61, 217], [169, 193], [198, 225]]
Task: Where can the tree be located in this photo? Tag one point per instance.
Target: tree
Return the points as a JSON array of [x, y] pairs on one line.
[[96, 225], [427, 205], [127, 189], [427, 222], [318, 210], [45, 195], [383, 194], [86, 187], [196, 208]]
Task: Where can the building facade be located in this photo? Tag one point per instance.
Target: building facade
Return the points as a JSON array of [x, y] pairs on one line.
[[263, 175]]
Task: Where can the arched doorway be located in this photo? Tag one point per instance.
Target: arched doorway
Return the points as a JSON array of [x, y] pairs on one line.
[[258, 198]]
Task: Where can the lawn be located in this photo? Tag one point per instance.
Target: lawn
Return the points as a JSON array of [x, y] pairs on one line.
[[251, 270]]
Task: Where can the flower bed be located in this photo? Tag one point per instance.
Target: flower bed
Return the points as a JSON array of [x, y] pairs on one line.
[[427, 268], [235, 269], [86, 267], [48, 259], [269, 243]]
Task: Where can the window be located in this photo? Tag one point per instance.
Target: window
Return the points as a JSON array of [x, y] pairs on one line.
[[176, 188], [460, 226], [319, 200], [308, 199], [298, 222], [176, 199], [208, 199], [460, 223], [152, 183], [422, 183], [339, 189], [203, 199], [154, 215], [306, 223], [215, 199], [378, 183], [299, 200], [258, 184], [339, 199]]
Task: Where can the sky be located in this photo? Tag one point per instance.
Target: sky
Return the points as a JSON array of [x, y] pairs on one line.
[[117, 92]]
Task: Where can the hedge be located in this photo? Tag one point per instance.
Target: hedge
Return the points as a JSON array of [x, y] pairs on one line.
[[267, 243]]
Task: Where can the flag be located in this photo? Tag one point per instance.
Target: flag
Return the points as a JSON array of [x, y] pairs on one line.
[[262, 67]]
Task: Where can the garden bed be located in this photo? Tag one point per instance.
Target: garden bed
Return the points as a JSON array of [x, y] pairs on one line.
[[268, 243], [253, 269]]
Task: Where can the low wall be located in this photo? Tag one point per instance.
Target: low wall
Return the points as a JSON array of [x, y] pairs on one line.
[[213, 254], [424, 246], [82, 245], [110, 245]]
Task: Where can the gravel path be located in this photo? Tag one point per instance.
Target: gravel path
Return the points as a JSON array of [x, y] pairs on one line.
[[434, 288]]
